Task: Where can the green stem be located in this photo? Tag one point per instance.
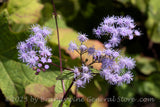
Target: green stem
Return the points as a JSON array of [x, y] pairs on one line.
[[60, 57], [64, 97]]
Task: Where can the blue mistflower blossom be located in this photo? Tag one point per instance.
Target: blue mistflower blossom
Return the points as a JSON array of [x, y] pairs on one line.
[[45, 31], [39, 65], [23, 56], [82, 37], [127, 77], [49, 60], [115, 68], [72, 46], [129, 63], [76, 72], [83, 48], [46, 66], [36, 28], [109, 20], [46, 52], [117, 27], [108, 52], [97, 32], [85, 68], [38, 70], [43, 60], [137, 33], [34, 51], [108, 45], [114, 41], [107, 62], [86, 77], [22, 46], [98, 53], [79, 83], [83, 74], [115, 54], [91, 51]]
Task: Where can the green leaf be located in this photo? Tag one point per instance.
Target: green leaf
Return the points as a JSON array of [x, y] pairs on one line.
[[153, 22], [125, 91], [147, 65], [153, 85], [40, 91], [154, 32], [24, 11], [66, 75], [51, 23], [57, 103], [100, 102], [124, 1], [101, 84], [94, 70], [14, 75], [58, 85], [141, 4], [8, 39], [148, 86], [64, 32], [152, 89], [154, 9], [65, 104]]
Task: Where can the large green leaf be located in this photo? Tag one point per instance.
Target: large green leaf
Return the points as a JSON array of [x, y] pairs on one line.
[[24, 11], [15, 76]]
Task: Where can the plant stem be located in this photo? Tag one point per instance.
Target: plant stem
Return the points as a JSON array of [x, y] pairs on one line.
[[81, 55], [76, 91], [62, 67], [60, 58], [91, 63], [63, 99]]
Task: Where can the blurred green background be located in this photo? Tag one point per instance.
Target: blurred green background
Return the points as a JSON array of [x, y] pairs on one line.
[[20, 87]]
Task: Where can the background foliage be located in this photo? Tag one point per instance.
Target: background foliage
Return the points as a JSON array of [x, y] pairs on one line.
[[20, 86]]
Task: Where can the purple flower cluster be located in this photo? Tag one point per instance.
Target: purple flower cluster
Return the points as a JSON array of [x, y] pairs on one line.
[[83, 75], [34, 51], [73, 46], [117, 28], [116, 68]]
